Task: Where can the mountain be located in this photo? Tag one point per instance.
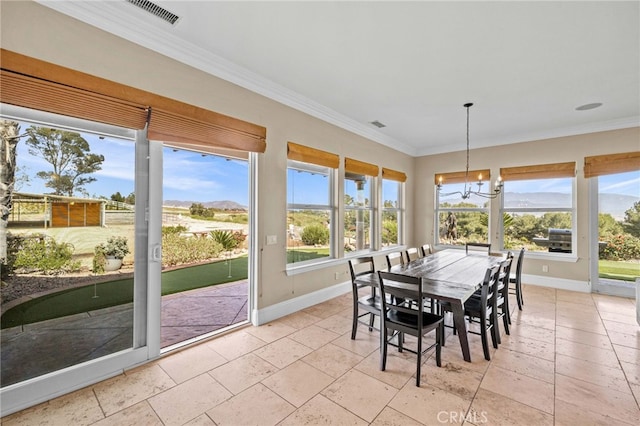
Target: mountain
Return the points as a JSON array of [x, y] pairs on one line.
[[614, 204], [221, 205]]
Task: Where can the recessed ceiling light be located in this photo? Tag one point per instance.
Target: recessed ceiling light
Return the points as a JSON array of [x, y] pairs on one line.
[[586, 107], [378, 124]]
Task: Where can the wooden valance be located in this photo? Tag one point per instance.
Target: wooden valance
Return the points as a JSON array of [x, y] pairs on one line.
[[459, 177], [393, 175], [540, 171], [36, 84], [609, 164], [360, 167], [315, 156]]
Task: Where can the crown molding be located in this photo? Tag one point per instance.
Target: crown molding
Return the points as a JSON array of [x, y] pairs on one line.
[[595, 127], [147, 32]]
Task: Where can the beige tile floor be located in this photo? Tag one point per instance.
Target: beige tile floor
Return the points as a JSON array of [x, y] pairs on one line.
[[571, 359]]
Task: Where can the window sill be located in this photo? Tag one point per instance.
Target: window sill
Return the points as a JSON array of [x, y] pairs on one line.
[[322, 264]]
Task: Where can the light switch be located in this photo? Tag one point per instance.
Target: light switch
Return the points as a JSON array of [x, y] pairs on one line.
[[272, 239]]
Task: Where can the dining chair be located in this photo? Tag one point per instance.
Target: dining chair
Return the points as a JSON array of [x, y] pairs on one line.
[[482, 310], [502, 295], [412, 254], [394, 258], [402, 319], [426, 250], [516, 279], [370, 303], [477, 247]]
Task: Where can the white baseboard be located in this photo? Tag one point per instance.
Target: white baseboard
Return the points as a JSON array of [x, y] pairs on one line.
[[279, 310], [558, 283]]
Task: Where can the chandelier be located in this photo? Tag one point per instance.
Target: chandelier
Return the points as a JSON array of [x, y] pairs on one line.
[[468, 192]]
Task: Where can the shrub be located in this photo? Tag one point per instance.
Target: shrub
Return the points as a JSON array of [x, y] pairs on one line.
[[178, 250], [178, 229], [14, 245], [225, 239], [315, 234], [43, 254], [621, 247]]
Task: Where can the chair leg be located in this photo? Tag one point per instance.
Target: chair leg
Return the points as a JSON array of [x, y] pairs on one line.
[[354, 326], [519, 295], [371, 318], [507, 306], [505, 320], [419, 356], [495, 331], [439, 341], [383, 348], [485, 341]]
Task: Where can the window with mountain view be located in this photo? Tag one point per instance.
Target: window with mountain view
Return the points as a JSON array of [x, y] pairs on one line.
[[310, 212], [538, 214], [461, 220]]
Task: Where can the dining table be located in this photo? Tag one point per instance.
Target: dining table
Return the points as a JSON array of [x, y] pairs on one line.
[[449, 275]]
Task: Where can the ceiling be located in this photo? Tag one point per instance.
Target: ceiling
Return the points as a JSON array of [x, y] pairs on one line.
[[526, 66]]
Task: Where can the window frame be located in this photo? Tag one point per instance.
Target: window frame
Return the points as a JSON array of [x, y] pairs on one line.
[[572, 210], [400, 212], [331, 208], [372, 181], [437, 242]]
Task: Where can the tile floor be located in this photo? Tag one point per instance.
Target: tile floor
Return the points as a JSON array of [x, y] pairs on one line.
[[571, 359]]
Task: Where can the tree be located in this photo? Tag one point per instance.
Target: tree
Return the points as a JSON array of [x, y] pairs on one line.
[[68, 153], [117, 197], [9, 140], [607, 225], [632, 220], [130, 199]]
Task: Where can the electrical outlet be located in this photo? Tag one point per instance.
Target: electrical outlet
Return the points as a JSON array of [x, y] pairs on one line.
[[545, 268]]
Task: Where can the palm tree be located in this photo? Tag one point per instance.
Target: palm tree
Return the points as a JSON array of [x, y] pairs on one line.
[[9, 140]]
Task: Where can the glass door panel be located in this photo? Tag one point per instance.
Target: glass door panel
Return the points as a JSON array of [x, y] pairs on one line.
[[618, 233], [205, 240], [68, 279]]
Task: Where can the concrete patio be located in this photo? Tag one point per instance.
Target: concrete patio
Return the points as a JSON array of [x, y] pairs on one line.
[[35, 349]]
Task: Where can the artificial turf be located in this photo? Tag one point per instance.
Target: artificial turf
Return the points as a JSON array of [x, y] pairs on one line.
[[112, 293]]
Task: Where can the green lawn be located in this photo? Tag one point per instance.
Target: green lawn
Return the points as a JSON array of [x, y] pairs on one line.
[[113, 293], [626, 271], [302, 254]]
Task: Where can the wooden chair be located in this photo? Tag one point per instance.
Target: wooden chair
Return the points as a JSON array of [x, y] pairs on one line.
[[477, 247], [482, 310], [516, 280], [403, 319], [393, 259], [426, 249], [370, 303], [502, 295], [412, 254]]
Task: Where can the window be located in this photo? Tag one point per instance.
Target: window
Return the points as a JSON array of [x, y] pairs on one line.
[[538, 208], [392, 207], [310, 212], [358, 211], [458, 220]]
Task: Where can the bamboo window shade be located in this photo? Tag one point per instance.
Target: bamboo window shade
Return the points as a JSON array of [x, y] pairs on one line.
[[612, 163], [360, 167], [393, 175], [315, 156], [36, 84], [540, 171], [461, 177]]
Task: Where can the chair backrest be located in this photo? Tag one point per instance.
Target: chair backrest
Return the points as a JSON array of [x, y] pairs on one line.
[[400, 288], [395, 258], [504, 272], [519, 265], [426, 249], [412, 254], [361, 266], [490, 288], [477, 247]]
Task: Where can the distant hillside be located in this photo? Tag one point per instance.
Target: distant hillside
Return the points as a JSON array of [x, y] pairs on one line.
[[614, 204], [221, 205]]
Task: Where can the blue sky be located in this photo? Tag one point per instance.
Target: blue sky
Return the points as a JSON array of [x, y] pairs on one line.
[[190, 176]]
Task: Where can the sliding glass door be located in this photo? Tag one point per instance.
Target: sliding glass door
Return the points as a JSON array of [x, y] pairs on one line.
[[615, 230]]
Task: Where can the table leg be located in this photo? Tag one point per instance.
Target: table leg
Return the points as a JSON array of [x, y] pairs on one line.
[[461, 326]]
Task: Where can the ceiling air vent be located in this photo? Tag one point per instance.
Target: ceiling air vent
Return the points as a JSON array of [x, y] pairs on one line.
[[378, 124], [156, 10]]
